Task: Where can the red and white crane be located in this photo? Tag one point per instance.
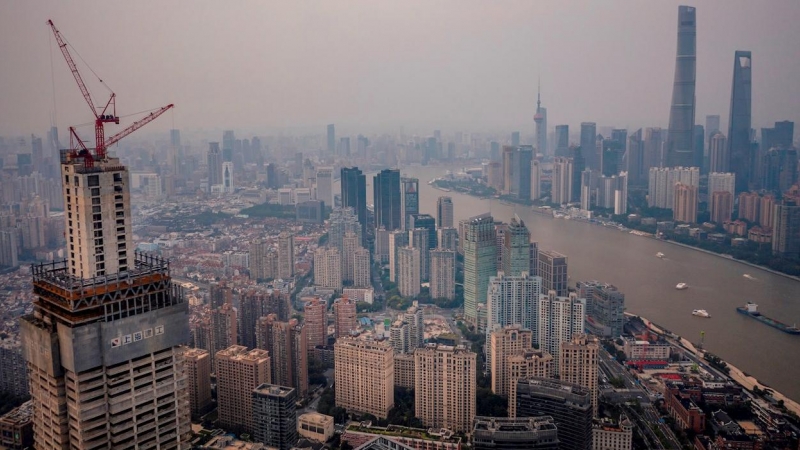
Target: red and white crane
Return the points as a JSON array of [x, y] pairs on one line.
[[102, 116]]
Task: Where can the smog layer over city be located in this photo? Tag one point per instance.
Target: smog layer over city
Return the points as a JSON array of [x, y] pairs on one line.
[[399, 225]]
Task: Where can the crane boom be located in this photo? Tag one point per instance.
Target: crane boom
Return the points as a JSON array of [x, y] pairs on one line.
[[73, 67], [136, 125]]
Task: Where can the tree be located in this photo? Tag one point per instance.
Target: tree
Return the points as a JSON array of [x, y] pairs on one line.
[[490, 404]]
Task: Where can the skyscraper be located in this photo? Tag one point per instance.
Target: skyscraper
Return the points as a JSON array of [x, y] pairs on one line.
[[559, 319], [578, 363], [364, 376], [588, 149], [316, 322], [324, 182], [331, 139], [444, 388], [386, 189], [97, 315], [536, 180], [685, 203], [480, 263], [239, 371], [286, 343], [350, 243], [198, 374], [661, 184], [721, 206], [534, 433], [362, 270], [354, 194], [513, 301], [447, 238], [680, 139], [786, 228], [409, 199], [275, 416], [504, 342], [227, 177], [285, 255], [508, 168], [228, 139], [344, 317], [443, 273], [712, 125], [521, 185], [341, 222], [718, 159], [409, 265], [605, 308], [516, 248], [540, 118], [444, 212], [570, 406], [739, 148], [635, 159], [397, 240], [553, 271], [214, 165], [562, 181], [328, 268], [562, 140]]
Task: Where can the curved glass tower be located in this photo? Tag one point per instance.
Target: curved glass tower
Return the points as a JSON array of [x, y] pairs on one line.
[[739, 150], [681, 115]]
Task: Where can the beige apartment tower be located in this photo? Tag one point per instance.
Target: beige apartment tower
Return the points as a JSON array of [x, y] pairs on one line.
[[198, 375], [444, 392], [503, 344], [285, 255], [344, 317], [239, 371], [578, 364], [316, 322], [443, 274], [364, 375], [328, 268]]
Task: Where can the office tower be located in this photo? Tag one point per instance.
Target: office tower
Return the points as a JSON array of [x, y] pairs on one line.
[[285, 255], [786, 229], [553, 271], [444, 212], [508, 168], [779, 136], [588, 148], [362, 269], [516, 248], [534, 433], [621, 193], [227, 177], [721, 206], [428, 224], [635, 159], [653, 143], [562, 181], [480, 263], [344, 146], [447, 238], [679, 150], [515, 138], [778, 169], [328, 268], [739, 148], [386, 187], [397, 240], [578, 364], [214, 165], [198, 374], [324, 181], [331, 139], [521, 184], [409, 200], [444, 387], [605, 308], [239, 371], [364, 376], [611, 155], [409, 269], [562, 140], [354, 194], [316, 322], [661, 184], [712, 126], [536, 180], [350, 243], [540, 118], [98, 315], [228, 139], [344, 317], [559, 318], [718, 158], [685, 203], [341, 222], [503, 343], [443, 274], [698, 146], [275, 416], [570, 406]]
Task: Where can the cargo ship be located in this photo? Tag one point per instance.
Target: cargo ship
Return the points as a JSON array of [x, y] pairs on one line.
[[751, 309]]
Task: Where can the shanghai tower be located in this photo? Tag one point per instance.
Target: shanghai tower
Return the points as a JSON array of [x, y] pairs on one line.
[[681, 115], [739, 123]]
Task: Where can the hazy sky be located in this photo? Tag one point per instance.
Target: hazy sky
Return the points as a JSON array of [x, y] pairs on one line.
[[367, 65]]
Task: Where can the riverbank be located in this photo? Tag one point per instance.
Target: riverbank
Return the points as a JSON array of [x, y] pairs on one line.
[[736, 375]]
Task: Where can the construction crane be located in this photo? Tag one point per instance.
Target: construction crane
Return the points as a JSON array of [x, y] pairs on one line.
[[103, 116]]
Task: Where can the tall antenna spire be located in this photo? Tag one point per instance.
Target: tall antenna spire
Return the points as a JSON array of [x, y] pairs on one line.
[[539, 95]]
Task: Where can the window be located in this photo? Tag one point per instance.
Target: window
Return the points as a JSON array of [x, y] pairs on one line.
[[96, 209], [119, 205], [121, 246], [96, 201], [95, 192], [118, 198], [117, 177], [120, 221], [98, 225], [66, 181], [98, 242], [94, 180], [98, 234], [100, 258], [97, 217]]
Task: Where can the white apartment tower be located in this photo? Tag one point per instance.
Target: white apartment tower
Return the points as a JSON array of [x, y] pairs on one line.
[[408, 276], [324, 189], [328, 268], [443, 274], [559, 319]]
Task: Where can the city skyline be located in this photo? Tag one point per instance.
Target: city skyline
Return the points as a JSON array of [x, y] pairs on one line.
[[380, 95]]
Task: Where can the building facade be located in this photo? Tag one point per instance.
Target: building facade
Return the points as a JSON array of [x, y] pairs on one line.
[[444, 392], [364, 376], [275, 416], [239, 371]]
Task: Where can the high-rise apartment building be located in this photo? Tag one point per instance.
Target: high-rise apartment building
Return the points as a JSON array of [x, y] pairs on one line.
[[718, 159], [287, 344], [685, 203], [553, 271], [512, 301], [739, 147], [275, 416], [570, 406], [328, 268], [562, 140], [443, 273], [397, 240], [480, 263], [605, 308], [362, 269], [447, 238], [503, 343], [534, 433], [408, 276], [386, 197], [350, 243], [331, 139], [316, 322], [364, 376], [786, 229], [562, 181], [559, 319], [721, 181], [578, 364], [341, 222], [224, 328], [536, 180], [354, 194], [324, 185], [588, 148], [721, 206], [285, 255], [409, 200], [198, 376], [526, 364], [662, 181], [444, 387], [260, 260], [680, 139], [214, 161], [521, 187], [444, 212], [239, 371], [344, 317]]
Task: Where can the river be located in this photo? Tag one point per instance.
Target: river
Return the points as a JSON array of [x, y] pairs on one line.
[[716, 284]]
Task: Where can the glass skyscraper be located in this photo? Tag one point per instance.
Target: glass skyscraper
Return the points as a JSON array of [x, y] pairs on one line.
[[739, 149], [386, 190], [354, 194], [680, 139]]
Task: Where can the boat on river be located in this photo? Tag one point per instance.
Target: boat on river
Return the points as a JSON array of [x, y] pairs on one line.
[[681, 286], [701, 313], [751, 310], [660, 255]]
